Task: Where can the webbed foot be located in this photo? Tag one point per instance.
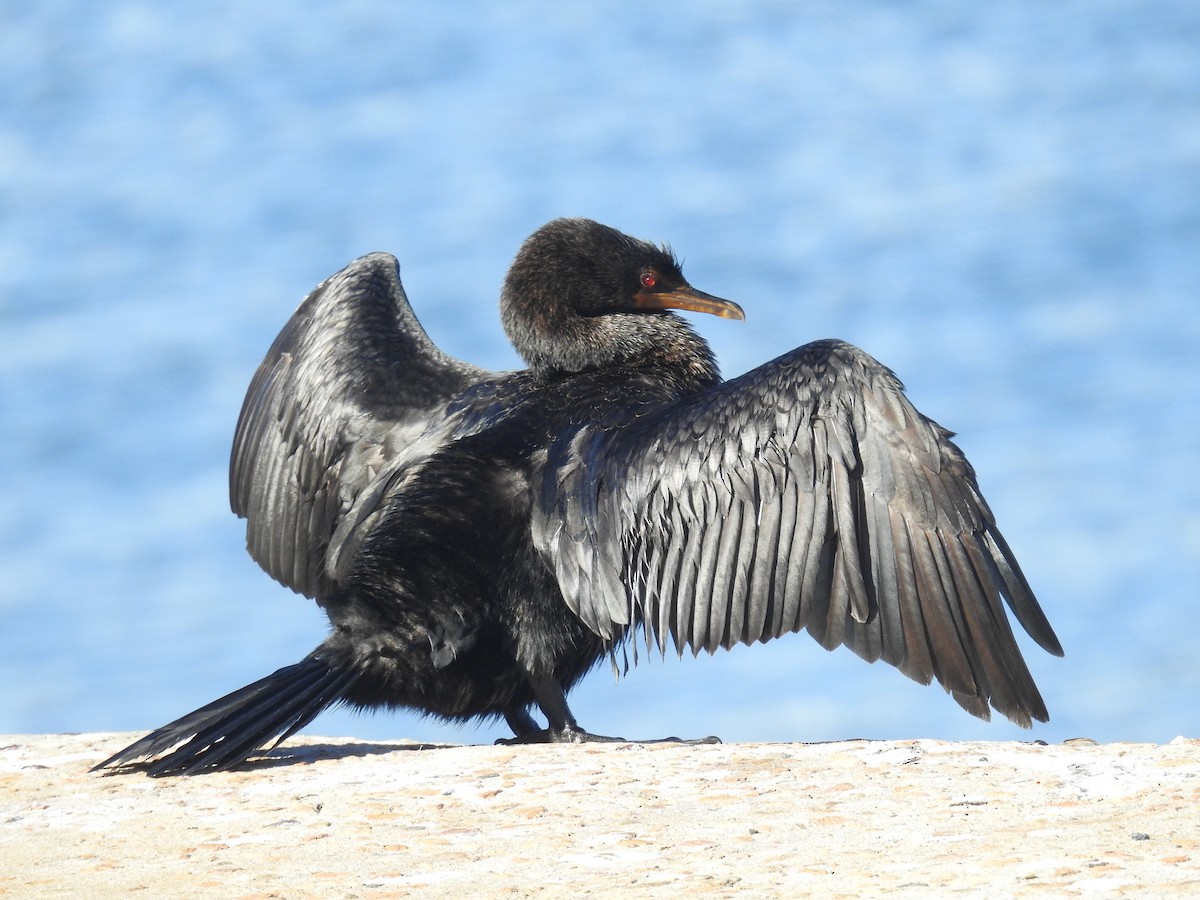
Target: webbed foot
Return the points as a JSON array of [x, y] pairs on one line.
[[576, 735]]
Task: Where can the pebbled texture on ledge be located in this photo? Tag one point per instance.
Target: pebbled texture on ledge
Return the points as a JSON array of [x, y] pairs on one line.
[[341, 818]]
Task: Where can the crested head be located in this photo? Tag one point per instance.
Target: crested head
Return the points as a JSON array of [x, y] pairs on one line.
[[581, 295]]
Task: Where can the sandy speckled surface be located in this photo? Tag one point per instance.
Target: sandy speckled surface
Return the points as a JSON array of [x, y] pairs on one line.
[[340, 818]]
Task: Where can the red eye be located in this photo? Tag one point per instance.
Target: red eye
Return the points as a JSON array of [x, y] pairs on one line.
[[648, 279]]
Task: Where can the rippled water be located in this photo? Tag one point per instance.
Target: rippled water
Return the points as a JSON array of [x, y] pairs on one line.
[[1002, 203]]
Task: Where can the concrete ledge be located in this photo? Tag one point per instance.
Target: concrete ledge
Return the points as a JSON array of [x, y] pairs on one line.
[[342, 818]]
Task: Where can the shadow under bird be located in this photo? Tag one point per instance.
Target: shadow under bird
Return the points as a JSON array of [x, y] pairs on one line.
[[480, 540]]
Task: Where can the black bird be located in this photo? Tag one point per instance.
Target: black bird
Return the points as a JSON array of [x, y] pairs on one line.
[[479, 541]]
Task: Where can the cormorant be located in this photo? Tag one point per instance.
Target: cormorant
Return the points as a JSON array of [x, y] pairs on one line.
[[479, 541]]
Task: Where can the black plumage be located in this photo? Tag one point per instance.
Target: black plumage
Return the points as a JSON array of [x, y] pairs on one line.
[[480, 541]]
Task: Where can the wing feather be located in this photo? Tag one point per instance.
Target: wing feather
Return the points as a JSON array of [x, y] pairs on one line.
[[800, 502], [918, 658], [348, 388], [806, 494], [761, 547], [704, 629], [678, 573]]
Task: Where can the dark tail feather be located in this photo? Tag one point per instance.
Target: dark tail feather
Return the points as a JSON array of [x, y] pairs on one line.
[[227, 731]]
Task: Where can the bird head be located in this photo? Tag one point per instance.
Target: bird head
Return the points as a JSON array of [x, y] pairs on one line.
[[581, 295]]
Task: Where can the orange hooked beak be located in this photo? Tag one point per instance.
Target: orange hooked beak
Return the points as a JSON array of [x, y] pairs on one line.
[[687, 297]]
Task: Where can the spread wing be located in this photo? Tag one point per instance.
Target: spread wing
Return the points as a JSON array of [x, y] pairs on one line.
[[351, 389], [807, 494]]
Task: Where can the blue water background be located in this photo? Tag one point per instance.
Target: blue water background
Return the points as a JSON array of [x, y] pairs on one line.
[[1000, 201]]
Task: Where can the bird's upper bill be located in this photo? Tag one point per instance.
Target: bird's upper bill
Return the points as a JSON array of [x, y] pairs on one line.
[[687, 297]]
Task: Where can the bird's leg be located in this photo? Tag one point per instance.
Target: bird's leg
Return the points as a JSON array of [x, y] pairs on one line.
[[521, 722], [563, 729]]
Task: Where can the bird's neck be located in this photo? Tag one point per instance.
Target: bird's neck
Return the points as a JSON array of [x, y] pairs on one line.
[[657, 343]]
